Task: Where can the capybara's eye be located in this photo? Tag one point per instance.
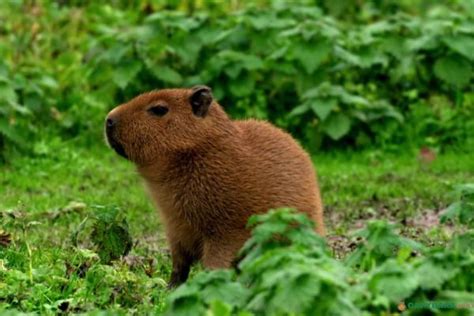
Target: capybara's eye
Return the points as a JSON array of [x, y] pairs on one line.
[[158, 110]]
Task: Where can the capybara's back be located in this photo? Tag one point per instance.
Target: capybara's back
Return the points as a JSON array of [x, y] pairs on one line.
[[283, 172]]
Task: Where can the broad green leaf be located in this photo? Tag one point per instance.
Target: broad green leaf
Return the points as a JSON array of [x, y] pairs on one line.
[[337, 125], [126, 72], [311, 54], [116, 54], [168, 75], [219, 286], [405, 69], [347, 56], [187, 306], [209, 36], [233, 70], [7, 92], [323, 107], [458, 298], [394, 281], [300, 109], [242, 86], [279, 53], [464, 243], [462, 210], [462, 44], [219, 308], [268, 21], [12, 133], [372, 55], [225, 291], [251, 62], [433, 276], [112, 241], [294, 291], [247, 61], [48, 81], [110, 234], [452, 212], [424, 42], [454, 70], [351, 99], [395, 45], [187, 48]]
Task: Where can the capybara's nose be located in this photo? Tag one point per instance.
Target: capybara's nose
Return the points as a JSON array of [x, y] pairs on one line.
[[110, 122]]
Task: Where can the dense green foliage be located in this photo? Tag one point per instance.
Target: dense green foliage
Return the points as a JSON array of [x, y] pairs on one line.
[[378, 76], [296, 274]]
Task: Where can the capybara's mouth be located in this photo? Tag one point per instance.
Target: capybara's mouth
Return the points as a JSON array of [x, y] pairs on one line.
[[117, 146]]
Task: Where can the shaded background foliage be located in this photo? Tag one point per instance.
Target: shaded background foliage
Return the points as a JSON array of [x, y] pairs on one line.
[[333, 73]]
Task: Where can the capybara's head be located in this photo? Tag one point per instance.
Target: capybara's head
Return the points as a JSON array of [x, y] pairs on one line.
[[164, 121]]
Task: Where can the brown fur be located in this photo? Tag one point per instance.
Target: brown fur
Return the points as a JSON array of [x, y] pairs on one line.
[[208, 174]]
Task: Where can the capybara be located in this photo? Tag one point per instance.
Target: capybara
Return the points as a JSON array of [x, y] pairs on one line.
[[207, 174]]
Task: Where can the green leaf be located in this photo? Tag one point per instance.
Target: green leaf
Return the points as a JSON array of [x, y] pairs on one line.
[[311, 54], [110, 234], [295, 291], [454, 70], [300, 109], [451, 213], [242, 86], [168, 75], [347, 56], [187, 306], [369, 56], [7, 92], [394, 45], [188, 49], [112, 241], [251, 62], [12, 133], [223, 289], [278, 53], [219, 308], [462, 44], [463, 209], [464, 243], [432, 276], [126, 72], [457, 297], [263, 22], [246, 61], [394, 281], [49, 82], [323, 107], [424, 42], [233, 70], [337, 125]]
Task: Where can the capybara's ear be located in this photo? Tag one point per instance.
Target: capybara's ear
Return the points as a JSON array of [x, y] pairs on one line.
[[200, 99]]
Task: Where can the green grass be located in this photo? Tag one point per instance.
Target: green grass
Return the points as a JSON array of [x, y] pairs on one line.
[[45, 199], [358, 187]]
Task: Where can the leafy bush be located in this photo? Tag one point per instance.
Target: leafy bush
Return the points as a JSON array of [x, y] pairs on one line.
[[287, 269], [325, 79], [110, 235]]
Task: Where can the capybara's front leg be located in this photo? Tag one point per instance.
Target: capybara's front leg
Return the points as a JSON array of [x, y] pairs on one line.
[[183, 256], [182, 261], [186, 249]]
